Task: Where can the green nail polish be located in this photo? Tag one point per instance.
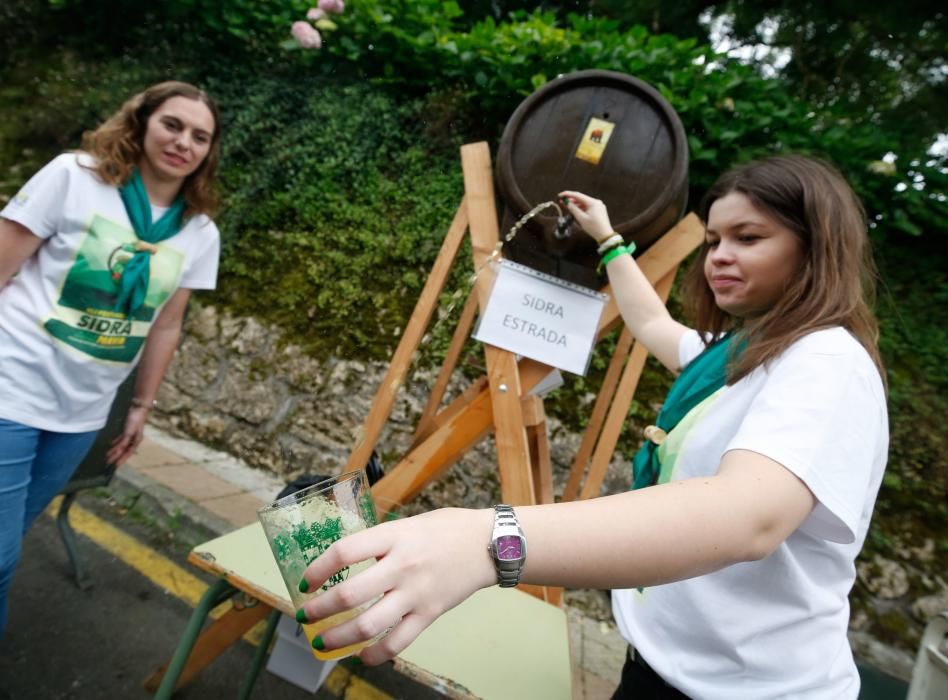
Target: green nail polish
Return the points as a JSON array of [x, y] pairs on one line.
[[304, 586], [318, 644], [301, 616]]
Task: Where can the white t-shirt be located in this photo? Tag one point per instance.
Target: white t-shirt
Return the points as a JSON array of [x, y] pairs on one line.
[[774, 628], [63, 349]]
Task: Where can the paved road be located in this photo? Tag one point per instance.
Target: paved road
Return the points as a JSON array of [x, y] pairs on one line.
[[67, 644]]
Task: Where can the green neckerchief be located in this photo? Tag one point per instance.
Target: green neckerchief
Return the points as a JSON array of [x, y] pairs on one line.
[[133, 284], [698, 380]]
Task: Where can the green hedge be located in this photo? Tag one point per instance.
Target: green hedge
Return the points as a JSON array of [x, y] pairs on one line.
[[729, 110], [335, 207]]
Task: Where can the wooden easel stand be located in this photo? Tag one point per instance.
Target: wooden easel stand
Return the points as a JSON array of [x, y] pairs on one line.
[[500, 401]]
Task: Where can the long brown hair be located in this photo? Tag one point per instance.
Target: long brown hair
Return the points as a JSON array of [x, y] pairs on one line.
[[118, 144], [835, 285]]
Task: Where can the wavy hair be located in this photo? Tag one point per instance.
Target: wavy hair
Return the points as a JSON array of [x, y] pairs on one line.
[[118, 144], [835, 285]]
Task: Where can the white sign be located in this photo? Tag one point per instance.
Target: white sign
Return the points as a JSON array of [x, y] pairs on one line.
[[541, 317]]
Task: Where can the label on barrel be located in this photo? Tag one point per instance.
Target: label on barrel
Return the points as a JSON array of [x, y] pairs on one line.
[[594, 140], [541, 317]]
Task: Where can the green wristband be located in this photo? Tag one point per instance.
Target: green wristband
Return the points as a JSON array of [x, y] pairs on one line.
[[614, 253]]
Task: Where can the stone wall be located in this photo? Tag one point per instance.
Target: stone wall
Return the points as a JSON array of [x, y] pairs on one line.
[[235, 386]]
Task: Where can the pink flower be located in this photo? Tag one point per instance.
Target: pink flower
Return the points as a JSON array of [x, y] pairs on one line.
[[314, 14], [306, 36], [335, 7]]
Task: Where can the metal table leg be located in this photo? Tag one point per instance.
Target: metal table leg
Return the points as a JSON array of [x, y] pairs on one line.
[[83, 580], [219, 591], [259, 656]]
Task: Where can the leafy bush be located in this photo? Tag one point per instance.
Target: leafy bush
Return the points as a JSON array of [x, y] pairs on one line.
[[730, 112], [335, 208], [256, 25], [913, 315]]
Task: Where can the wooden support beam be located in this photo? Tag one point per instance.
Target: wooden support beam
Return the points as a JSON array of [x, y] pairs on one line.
[[213, 642], [534, 418], [503, 377], [594, 427], [426, 423], [619, 411], [414, 331], [460, 426]]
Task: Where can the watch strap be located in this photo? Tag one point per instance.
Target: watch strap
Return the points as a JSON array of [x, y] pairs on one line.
[[506, 524]]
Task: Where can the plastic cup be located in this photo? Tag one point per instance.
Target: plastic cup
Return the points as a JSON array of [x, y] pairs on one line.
[[303, 525]]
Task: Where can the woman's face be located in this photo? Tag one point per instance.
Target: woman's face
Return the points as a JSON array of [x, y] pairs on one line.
[[752, 258], [177, 139]]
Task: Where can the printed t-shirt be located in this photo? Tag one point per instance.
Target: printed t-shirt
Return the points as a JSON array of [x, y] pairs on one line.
[[774, 628], [64, 350]]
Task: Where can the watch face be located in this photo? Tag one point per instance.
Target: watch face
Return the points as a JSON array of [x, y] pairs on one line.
[[509, 548]]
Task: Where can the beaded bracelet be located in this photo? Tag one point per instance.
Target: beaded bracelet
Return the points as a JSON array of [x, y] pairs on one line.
[[611, 242], [615, 253]]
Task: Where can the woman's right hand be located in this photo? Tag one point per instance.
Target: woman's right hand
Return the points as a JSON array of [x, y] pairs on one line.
[[590, 213], [425, 566]]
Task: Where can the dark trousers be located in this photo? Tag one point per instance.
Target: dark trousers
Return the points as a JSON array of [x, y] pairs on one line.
[[640, 682]]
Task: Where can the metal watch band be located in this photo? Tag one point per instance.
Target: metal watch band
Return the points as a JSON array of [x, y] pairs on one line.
[[506, 525]]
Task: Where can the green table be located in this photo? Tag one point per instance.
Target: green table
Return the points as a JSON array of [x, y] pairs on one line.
[[499, 644]]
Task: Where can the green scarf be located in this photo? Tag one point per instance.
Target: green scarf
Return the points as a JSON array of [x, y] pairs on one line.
[[698, 380], [133, 284]]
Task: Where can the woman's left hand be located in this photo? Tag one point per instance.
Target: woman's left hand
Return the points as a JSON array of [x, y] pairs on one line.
[[126, 444], [425, 566]]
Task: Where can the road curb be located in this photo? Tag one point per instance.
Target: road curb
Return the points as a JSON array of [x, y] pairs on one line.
[[169, 510]]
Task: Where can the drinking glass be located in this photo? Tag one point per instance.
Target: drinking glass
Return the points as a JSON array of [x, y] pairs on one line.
[[303, 525]]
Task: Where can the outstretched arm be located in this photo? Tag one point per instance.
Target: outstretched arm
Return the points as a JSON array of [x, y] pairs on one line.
[[430, 563], [642, 309]]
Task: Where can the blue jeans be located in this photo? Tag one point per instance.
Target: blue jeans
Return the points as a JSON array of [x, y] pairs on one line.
[[34, 466]]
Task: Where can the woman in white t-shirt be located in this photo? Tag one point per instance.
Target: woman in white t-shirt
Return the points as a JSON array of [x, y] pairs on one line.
[[731, 571], [101, 249]]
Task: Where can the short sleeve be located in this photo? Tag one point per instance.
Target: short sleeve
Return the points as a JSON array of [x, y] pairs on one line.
[[39, 204], [821, 414], [689, 347], [201, 272]]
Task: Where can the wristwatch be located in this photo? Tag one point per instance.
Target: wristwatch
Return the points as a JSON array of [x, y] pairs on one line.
[[508, 546]]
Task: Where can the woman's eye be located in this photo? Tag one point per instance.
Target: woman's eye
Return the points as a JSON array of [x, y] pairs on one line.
[[748, 238], [711, 243]]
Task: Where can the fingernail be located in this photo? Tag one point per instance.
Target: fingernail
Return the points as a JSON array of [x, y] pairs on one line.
[[304, 586], [301, 616], [318, 644]]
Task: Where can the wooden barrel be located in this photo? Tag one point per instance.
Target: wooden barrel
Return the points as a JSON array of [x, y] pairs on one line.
[[604, 133]]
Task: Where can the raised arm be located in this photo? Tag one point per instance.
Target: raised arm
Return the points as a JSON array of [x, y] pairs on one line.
[[17, 244], [430, 563], [642, 309]]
